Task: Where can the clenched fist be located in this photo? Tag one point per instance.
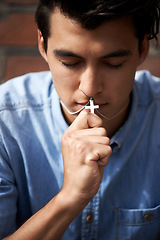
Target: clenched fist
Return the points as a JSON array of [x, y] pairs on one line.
[[86, 150]]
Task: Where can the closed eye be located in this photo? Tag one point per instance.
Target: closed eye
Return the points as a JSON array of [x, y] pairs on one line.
[[114, 66], [70, 65]]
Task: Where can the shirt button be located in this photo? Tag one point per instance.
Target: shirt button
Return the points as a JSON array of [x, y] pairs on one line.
[[89, 218], [148, 216]]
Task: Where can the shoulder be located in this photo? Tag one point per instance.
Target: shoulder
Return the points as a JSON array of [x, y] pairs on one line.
[[32, 88], [147, 87]]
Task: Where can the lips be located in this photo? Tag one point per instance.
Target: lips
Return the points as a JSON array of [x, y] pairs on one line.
[[95, 103], [102, 102], [83, 103]]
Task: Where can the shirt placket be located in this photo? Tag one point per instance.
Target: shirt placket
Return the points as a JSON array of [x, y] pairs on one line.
[[90, 219]]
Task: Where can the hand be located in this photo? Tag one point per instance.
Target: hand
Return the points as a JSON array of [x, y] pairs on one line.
[[86, 150]]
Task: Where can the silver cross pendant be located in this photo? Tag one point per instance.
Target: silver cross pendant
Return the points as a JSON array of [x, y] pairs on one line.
[[92, 107]]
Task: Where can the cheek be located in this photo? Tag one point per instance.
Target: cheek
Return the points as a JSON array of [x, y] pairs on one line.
[[126, 88], [64, 82], [122, 84]]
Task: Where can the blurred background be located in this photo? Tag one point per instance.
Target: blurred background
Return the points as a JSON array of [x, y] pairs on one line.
[[18, 42]]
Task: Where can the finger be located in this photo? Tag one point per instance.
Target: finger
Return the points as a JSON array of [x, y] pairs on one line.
[[95, 139], [100, 153], [96, 135], [86, 120], [102, 162], [91, 132]]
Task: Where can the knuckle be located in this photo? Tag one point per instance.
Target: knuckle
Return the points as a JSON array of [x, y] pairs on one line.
[[66, 137], [99, 122], [63, 138], [103, 131], [107, 141], [109, 150]]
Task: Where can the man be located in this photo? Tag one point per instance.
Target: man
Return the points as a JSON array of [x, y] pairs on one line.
[[67, 173]]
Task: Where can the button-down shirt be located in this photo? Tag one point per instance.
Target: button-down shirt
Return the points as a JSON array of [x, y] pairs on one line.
[[127, 205]]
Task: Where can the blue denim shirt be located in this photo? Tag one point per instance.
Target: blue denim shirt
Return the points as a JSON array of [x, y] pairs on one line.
[[127, 205]]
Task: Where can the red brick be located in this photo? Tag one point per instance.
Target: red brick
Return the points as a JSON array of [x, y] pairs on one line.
[[152, 64], [2, 64], [19, 65], [22, 2], [18, 29]]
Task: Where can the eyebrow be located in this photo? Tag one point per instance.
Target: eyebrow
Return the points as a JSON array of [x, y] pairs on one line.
[[118, 53], [65, 53]]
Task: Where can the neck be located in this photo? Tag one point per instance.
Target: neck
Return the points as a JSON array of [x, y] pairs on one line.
[[113, 125]]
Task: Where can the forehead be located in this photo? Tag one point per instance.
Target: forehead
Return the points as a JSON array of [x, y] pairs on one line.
[[68, 32]]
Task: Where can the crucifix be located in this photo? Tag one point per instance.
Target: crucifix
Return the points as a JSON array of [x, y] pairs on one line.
[[92, 107]]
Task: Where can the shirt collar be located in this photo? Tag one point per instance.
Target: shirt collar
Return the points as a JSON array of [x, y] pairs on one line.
[[58, 117]]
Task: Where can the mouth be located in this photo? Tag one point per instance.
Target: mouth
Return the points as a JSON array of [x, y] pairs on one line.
[[83, 104]]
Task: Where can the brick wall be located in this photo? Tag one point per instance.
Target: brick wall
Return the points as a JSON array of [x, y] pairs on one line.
[[18, 41]]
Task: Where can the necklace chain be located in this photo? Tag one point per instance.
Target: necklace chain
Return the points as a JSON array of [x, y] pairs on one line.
[[107, 118], [114, 116], [73, 113]]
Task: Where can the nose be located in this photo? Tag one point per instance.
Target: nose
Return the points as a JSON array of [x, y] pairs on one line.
[[90, 82]]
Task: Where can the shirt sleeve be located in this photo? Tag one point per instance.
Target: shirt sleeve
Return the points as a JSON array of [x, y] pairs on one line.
[[8, 196]]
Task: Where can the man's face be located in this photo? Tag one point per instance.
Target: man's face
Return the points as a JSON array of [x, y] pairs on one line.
[[99, 63]]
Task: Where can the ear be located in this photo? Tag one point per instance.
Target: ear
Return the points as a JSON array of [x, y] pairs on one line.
[[144, 49], [41, 46]]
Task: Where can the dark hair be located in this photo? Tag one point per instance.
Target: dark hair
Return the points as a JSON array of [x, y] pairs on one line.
[[91, 13]]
